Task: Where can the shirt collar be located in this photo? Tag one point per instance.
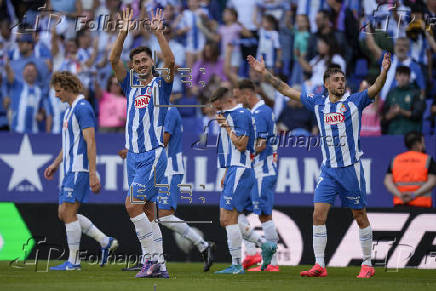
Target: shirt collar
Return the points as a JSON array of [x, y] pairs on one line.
[[234, 108], [258, 104], [79, 97]]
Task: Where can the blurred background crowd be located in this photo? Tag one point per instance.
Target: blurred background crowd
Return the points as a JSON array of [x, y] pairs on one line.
[[298, 39]]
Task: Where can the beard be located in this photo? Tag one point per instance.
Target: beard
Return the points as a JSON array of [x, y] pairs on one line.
[[338, 93]]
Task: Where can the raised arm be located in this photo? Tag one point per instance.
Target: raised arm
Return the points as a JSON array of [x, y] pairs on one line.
[[117, 49], [381, 79], [279, 85], [375, 50], [157, 26]]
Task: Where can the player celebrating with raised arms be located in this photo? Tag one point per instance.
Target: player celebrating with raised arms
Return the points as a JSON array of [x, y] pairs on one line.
[[236, 142], [339, 119], [146, 157], [78, 155]]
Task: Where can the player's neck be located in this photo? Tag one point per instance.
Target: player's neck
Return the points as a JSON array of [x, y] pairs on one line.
[[252, 102], [72, 98], [334, 98], [147, 80]]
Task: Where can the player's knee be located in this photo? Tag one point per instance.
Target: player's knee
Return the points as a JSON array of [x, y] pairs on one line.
[[224, 221], [264, 218], [60, 215], [361, 218], [133, 209], [319, 218]]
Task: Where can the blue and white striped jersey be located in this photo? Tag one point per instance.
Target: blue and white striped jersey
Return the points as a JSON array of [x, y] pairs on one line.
[[173, 125], [194, 36], [339, 125], [25, 103], [145, 121], [239, 120], [57, 111], [268, 44], [265, 128], [75, 153]]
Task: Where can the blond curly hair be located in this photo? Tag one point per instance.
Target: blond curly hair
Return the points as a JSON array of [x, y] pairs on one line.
[[67, 81]]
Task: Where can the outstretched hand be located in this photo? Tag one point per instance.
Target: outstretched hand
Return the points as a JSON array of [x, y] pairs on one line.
[[157, 21], [258, 66], [126, 20], [386, 64]]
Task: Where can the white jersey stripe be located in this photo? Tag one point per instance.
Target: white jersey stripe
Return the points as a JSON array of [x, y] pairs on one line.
[[329, 136], [322, 138], [355, 121], [239, 172], [343, 142]]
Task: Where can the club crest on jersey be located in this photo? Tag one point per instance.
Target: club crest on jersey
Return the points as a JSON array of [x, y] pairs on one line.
[[343, 108], [334, 118], [141, 101]]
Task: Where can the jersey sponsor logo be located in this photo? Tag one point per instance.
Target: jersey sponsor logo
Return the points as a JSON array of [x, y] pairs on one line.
[[334, 118], [141, 101]]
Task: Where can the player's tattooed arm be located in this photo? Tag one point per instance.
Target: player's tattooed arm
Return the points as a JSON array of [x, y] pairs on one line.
[[381, 79], [117, 49], [157, 27], [279, 85]]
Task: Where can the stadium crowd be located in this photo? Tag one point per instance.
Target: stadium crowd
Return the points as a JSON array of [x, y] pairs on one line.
[[298, 39]]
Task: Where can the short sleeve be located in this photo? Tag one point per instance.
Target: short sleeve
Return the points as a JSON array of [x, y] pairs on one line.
[[432, 167], [389, 171], [241, 124], [165, 90], [170, 122], [308, 100], [361, 99], [85, 115]]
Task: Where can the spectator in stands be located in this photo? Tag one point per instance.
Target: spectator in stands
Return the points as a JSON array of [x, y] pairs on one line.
[[311, 8], [246, 15], [297, 119], [301, 40], [113, 106], [229, 33], [371, 115], [195, 40], [211, 63], [404, 105], [411, 175], [346, 24], [26, 55], [269, 46], [86, 57], [56, 113], [327, 55], [26, 100], [400, 58]]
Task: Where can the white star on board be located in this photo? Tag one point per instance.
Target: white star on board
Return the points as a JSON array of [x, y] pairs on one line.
[[25, 165]]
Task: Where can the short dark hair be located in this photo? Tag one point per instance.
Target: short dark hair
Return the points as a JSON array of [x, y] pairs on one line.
[[331, 70], [31, 64], [219, 94], [403, 70], [246, 84], [140, 49], [412, 138]]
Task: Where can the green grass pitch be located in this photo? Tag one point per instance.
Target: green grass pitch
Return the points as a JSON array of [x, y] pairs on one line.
[[189, 276]]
